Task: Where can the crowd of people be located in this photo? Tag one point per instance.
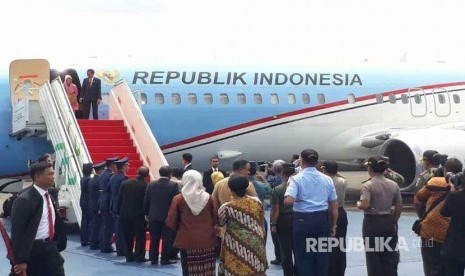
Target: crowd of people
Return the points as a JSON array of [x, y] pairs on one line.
[[200, 218]]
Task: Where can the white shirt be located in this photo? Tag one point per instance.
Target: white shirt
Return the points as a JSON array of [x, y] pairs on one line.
[[215, 169], [42, 231], [187, 165]]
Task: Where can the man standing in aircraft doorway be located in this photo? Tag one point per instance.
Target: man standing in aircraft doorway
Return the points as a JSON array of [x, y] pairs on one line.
[[91, 94]]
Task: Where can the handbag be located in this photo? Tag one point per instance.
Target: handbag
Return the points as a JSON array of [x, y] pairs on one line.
[[416, 227]]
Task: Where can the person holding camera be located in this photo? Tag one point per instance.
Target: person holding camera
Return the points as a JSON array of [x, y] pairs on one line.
[[454, 244], [433, 225]]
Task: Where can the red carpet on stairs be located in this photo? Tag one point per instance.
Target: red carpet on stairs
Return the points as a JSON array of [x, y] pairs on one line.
[[108, 138]]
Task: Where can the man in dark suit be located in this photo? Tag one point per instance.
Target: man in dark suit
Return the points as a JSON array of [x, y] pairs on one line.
[[95, 216], [156, 205], [114, 185], [207, 175], [84, 203], [38, 233], [130, 209], [104, 206], [91, 94], [187, 161]]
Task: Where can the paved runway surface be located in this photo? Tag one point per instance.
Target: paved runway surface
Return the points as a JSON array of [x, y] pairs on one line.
[[82, 261]]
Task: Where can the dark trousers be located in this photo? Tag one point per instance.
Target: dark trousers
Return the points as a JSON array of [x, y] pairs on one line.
[[134, 228], [45, 259], [338, 258], [120, 242], [433, 261], [159, 230], [277, 250], [86, 108], [284, 235], [85, 226], [454, 267], [107, 232], [309, 227], [94, 235], [382, 261]]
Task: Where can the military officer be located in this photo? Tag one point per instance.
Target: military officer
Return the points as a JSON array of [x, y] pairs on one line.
[[122, 166], [94, 216], [431, 160], [84, 203], [104, 205]]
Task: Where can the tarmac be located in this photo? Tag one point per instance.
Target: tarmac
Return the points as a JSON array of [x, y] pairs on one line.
[[83, 261]]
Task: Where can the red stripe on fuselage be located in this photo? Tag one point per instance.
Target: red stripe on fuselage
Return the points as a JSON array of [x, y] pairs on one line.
[[298, 112]]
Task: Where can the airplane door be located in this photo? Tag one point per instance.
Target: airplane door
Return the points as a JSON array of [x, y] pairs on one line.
[[26, 75], [442, 105], [418, 105]]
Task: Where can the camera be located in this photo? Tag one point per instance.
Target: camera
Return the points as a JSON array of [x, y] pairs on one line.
[[456, 179], [263, 165]]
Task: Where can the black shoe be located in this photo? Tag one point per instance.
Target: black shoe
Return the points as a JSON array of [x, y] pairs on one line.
[[85, 244], [275, 262], [129, 260], [154, 262], [142, 260], [120, 254], [175, 257], [94, 248], [168, 262]]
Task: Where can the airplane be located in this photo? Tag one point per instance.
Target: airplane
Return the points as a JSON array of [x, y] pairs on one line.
[[346, 112]]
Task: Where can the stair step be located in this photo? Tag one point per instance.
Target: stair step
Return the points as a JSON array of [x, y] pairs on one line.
[[111, 149], [106, 142], [100, 122], [98, 135], [100, 157], [103, 129]]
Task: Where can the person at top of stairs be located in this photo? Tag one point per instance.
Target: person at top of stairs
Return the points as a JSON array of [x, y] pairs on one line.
[[104, 205], [91, 94], [114, 185]]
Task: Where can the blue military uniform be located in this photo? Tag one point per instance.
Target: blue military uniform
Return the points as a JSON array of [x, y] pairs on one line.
[[104, 207], [114, 186], [94, 217], [84, 203]]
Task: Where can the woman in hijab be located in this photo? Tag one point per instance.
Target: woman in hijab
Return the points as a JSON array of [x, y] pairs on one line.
[[193, 216], [242, 234], [72, 92], [216, 176]]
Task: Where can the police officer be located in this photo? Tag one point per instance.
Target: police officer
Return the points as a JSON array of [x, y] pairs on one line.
[[84, 203], [122, 166], [431, 160], [94, 216], [104, 205], [379, 194]]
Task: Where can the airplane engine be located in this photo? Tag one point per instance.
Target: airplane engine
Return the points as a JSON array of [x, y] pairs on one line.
[[405, 148]]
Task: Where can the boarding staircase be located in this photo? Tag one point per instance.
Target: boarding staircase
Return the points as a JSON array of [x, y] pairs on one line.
[[77, 142]]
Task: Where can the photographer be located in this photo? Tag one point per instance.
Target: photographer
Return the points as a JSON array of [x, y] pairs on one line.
[[433, 225], [454, 244]]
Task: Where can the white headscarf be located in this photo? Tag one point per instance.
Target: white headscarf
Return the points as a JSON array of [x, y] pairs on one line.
[[193, 191]]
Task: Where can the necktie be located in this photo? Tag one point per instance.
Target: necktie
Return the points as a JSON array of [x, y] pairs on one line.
[[50, 218]]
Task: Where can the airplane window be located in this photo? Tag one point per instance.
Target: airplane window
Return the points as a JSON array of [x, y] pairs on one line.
[[175, 98], [417, 99], [441, 98], [351, 98], [274, 98], [143, 98], [306, 98], [392, 99], [379, 98], [192, 98], [257, 97], [456, 98], [291, 98], [321, 98], [208, 98], [404, 98], [241, 99], [159, 98], [224, 99]]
